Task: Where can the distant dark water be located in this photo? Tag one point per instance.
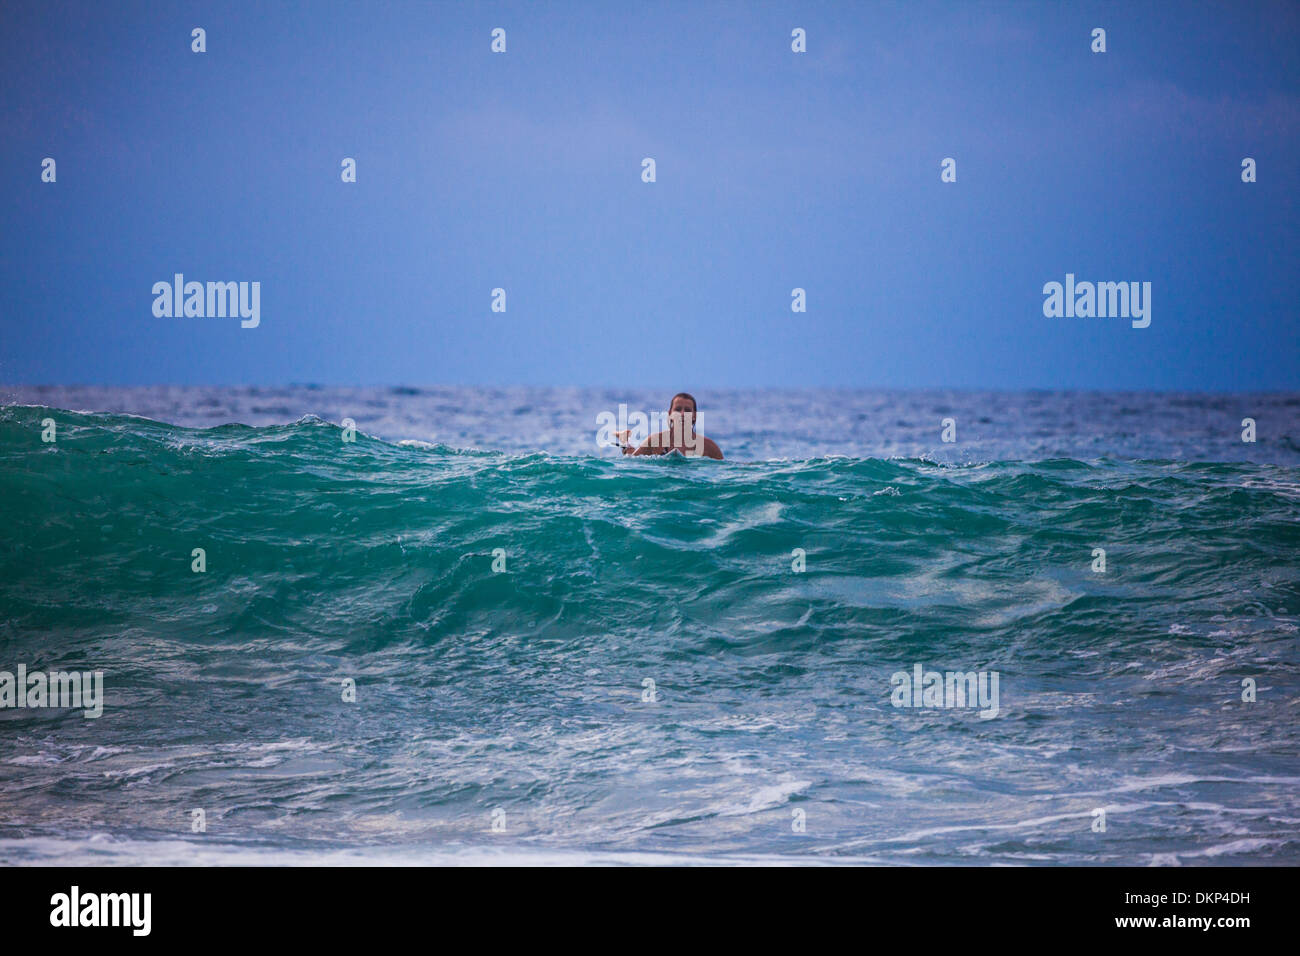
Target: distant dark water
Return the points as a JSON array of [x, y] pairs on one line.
[[752, 424], [523, 692]]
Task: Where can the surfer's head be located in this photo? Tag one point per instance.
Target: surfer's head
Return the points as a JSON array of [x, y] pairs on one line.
[[683, 406]]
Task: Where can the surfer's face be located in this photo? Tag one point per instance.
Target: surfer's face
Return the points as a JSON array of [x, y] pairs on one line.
[[683, 410]]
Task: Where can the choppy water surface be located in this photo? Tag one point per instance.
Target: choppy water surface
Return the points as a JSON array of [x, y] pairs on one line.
[[524, 691]]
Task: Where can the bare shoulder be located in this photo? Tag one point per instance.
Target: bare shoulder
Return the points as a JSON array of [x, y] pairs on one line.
[[711, 449]]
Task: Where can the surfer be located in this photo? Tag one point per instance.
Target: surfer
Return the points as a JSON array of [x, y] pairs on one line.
[[680, 435]]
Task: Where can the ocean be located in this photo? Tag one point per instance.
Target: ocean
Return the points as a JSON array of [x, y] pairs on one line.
[[471, 635]]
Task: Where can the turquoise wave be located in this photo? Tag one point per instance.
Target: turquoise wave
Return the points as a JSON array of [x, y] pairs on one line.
[[374, 560], [297, 523]]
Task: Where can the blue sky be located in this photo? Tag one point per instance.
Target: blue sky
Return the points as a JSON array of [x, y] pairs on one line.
[[775, 170]]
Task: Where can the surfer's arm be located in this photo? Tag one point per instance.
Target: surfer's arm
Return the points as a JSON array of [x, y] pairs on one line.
[[642, 449], [655, 444], [711, 449]]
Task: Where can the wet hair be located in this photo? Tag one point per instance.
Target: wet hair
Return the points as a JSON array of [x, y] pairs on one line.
[[694, 403]]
